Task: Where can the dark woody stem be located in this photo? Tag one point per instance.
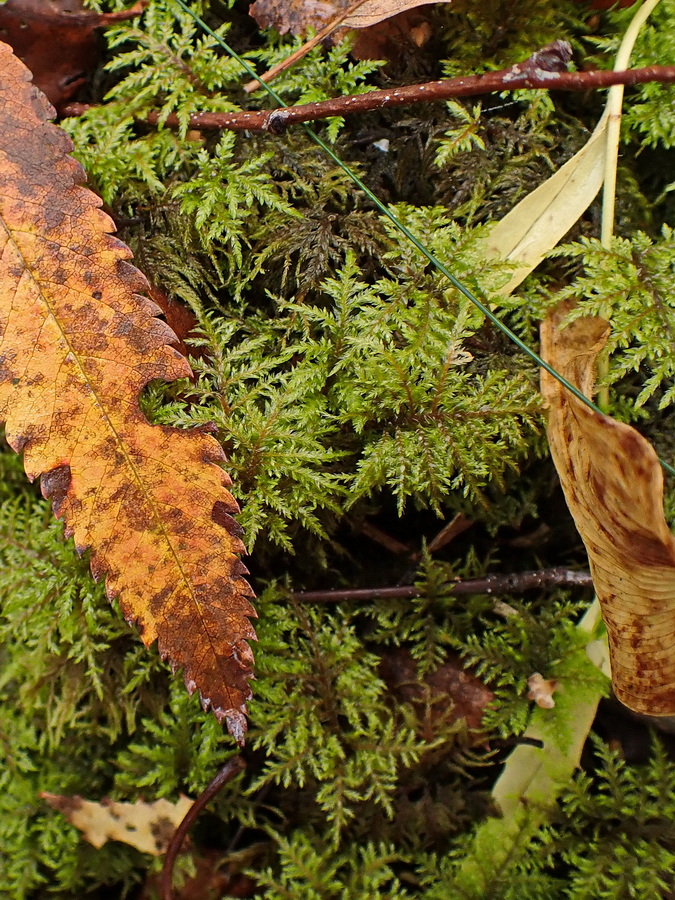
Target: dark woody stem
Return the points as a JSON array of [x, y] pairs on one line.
[[513, 583], [545, 69], [233, 767]]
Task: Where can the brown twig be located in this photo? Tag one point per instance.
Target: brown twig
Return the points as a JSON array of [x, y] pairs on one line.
[[233, 767], [513, 583], [544, 69], [384, 540], [456, 526]]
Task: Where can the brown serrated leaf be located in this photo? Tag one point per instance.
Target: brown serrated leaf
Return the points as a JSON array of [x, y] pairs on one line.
[[613, 485], [79, 343], [297, 16], [148, 827]]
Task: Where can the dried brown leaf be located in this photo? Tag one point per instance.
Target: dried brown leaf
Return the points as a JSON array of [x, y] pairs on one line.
[[297, 16], [78, 344], [613, 485], [447, 694], [57, 40]]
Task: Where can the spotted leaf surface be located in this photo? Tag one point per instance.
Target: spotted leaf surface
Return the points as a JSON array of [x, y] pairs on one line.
[[613, 485], [79, 341]]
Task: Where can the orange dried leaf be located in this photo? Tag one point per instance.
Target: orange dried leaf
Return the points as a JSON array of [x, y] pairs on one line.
[[79, 342], [148, 827], [613, 485]]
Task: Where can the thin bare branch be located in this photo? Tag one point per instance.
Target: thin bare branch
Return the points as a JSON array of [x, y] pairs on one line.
[[513, 583], [533, 73], [545, 69], [304, 50], [231, 768]]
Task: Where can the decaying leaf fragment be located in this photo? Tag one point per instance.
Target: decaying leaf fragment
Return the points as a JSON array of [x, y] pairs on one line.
[[79, 342], [146, 826], [613, 485], [541, 690]]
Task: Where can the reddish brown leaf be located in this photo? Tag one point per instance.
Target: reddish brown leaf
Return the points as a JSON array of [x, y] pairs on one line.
[[449, 693], [216, 874], [56, 39], [297, 16], [613, 485], [79, 342], [179, 318]]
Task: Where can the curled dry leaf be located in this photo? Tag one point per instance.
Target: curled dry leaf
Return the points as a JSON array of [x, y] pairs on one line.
[[148, 827], [79, 343], [613, 485]]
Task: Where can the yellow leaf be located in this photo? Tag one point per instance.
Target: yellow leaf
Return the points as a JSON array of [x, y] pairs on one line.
[[613, 485], [536, 224], [78, 343], [146, 826]]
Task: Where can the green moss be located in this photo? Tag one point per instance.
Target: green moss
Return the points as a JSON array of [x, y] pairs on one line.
[[349, 384]]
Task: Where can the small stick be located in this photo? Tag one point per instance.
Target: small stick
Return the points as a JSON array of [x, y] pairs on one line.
[[530, 74], [457, 525], [384, 540], [231, 768], [512, 583]]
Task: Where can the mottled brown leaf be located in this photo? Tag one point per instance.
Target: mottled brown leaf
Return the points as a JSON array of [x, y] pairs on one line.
[[297, 16], [148, 827], [79, 342], [613, 485]]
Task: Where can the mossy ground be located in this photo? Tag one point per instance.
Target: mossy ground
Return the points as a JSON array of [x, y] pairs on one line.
[[356, 393]]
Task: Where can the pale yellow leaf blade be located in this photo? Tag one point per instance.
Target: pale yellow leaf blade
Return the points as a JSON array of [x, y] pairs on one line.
[[537, 224], [146, 826]]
